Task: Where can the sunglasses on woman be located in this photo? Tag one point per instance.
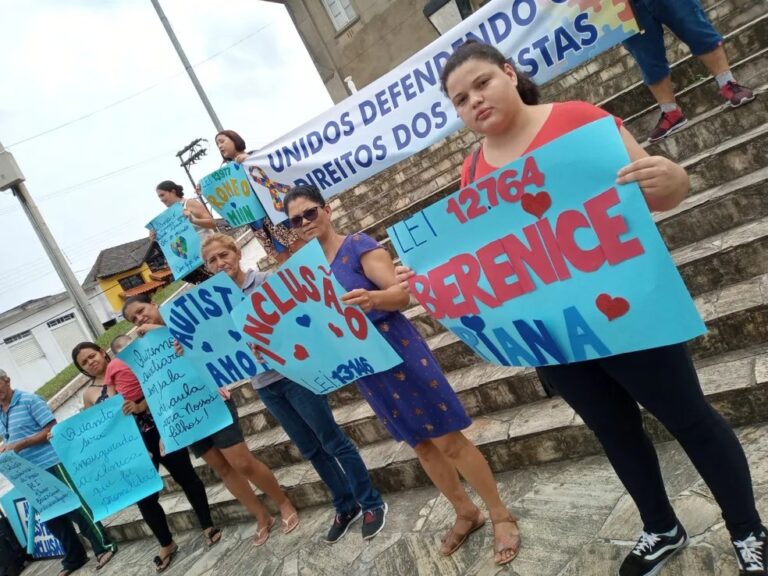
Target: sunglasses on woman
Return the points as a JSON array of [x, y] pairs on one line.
[[310, 215]]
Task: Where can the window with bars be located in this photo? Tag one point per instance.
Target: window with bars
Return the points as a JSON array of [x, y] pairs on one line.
[[61, 320], [341, 12], [131, 281]]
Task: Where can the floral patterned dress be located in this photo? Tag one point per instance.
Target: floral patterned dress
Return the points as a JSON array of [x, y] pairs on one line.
[[413, 400]]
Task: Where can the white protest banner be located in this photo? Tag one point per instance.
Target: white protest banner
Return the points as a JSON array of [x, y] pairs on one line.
[[404, 111]]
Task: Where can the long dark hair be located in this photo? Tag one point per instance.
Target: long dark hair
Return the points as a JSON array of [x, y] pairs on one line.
[[86, 346], [171, 186], [237, 140], [473, 50], [308, 191]]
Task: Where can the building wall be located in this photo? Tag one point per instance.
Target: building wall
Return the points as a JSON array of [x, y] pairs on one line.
[[111, 288], [33, 374], [385, 34]]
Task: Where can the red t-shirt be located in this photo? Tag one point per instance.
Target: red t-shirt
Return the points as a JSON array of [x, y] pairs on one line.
[[120, 376], [564, 117]]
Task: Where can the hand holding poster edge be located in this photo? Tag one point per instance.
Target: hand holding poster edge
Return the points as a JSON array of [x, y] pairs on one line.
[[592, 274], [297, 322]]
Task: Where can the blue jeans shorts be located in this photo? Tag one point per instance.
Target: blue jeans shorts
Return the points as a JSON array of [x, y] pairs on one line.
[[685, 18]]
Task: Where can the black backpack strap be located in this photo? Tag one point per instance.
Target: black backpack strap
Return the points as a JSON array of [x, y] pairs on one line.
[[473, 163]]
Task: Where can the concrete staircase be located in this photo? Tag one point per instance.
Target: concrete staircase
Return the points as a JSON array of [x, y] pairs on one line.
[[718, 238]]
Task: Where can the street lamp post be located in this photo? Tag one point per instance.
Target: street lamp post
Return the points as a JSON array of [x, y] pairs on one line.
[[11, 178]]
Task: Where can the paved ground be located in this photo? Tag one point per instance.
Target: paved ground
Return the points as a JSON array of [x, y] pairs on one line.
[[576, 521]]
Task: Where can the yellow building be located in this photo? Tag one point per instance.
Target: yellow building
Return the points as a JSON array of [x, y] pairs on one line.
[[129, 269]]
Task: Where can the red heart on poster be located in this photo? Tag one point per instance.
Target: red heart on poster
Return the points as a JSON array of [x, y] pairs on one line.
[[300, 353], [336, 330], [536, 204], [612, 307]]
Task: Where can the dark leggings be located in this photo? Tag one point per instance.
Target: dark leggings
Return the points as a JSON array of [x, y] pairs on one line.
[[180, 468], [606, 393]]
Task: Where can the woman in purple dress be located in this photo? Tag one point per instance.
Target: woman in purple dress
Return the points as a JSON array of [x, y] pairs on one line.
[[413, 400]]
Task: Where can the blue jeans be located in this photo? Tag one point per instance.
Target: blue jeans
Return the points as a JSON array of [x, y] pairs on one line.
[[685, 18], [307, 419]]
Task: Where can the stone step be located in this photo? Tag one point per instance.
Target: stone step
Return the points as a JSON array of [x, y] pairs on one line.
[[621, 82], [530, 434], [736, 316]]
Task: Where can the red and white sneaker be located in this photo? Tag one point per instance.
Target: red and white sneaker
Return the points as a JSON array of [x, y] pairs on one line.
[[735, 94], [669, 123]]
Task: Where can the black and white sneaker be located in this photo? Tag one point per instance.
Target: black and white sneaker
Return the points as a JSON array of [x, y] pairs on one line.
[[751, 554], [341, 524], [373, 522], [652, 551]]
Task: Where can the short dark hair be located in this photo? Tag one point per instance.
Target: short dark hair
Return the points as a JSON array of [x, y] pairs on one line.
[[474, 50], [237, 140], [138, 299], [84, 346], [171, 186], [308, 191]]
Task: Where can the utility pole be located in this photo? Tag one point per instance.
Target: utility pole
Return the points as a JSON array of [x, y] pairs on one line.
[[188, 156], [187, 66], [11, 178]]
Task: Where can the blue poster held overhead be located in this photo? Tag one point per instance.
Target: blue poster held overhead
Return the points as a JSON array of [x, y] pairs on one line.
[[228, 191], [105, 456], [46, 493], [302, 329], [555, 262], [200, 320], [178, 240], [185, 404]]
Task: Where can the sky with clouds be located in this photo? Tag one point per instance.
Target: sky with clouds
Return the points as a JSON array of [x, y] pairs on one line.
[[106, 70]]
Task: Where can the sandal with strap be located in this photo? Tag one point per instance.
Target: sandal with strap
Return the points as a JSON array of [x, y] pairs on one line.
[[162, 564], [290, 524], [514, 548], [212, 536], [454, 539], [104, 558], [262, 534]]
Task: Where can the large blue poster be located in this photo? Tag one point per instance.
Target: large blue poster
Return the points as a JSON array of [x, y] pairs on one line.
[[299, 325], [200, 320], [555, 262], [178, 240], [106, 458], [228, 191], [48, 495], [186, 406]]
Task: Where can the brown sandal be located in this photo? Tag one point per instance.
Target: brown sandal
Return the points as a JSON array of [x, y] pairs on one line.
[[454, 539], [515, 549]]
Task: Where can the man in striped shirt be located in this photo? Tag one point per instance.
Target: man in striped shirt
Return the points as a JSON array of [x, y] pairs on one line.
[[25, 422]]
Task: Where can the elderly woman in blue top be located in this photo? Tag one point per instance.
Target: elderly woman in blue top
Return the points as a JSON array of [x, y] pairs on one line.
[[307, 419], [25, 422]]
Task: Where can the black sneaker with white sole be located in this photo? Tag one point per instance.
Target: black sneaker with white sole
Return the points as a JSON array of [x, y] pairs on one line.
[[752, 554], [652, 551], [373, 522], [341, 524]]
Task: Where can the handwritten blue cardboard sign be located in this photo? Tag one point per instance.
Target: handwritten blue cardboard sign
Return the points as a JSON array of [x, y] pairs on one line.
[[178, 240], [228, 191], [548, 261], [46, 493], [43, 543], [302, 329], [186, 406], [105, 456], [200, 320]]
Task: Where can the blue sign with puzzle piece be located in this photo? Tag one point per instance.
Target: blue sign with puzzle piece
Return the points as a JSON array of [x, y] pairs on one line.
[[299, 325], [200, 320], [178, 240]]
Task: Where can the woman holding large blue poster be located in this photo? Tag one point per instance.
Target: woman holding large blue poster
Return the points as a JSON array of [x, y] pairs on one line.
[[413, 400], [110, 377], [493, 99]]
